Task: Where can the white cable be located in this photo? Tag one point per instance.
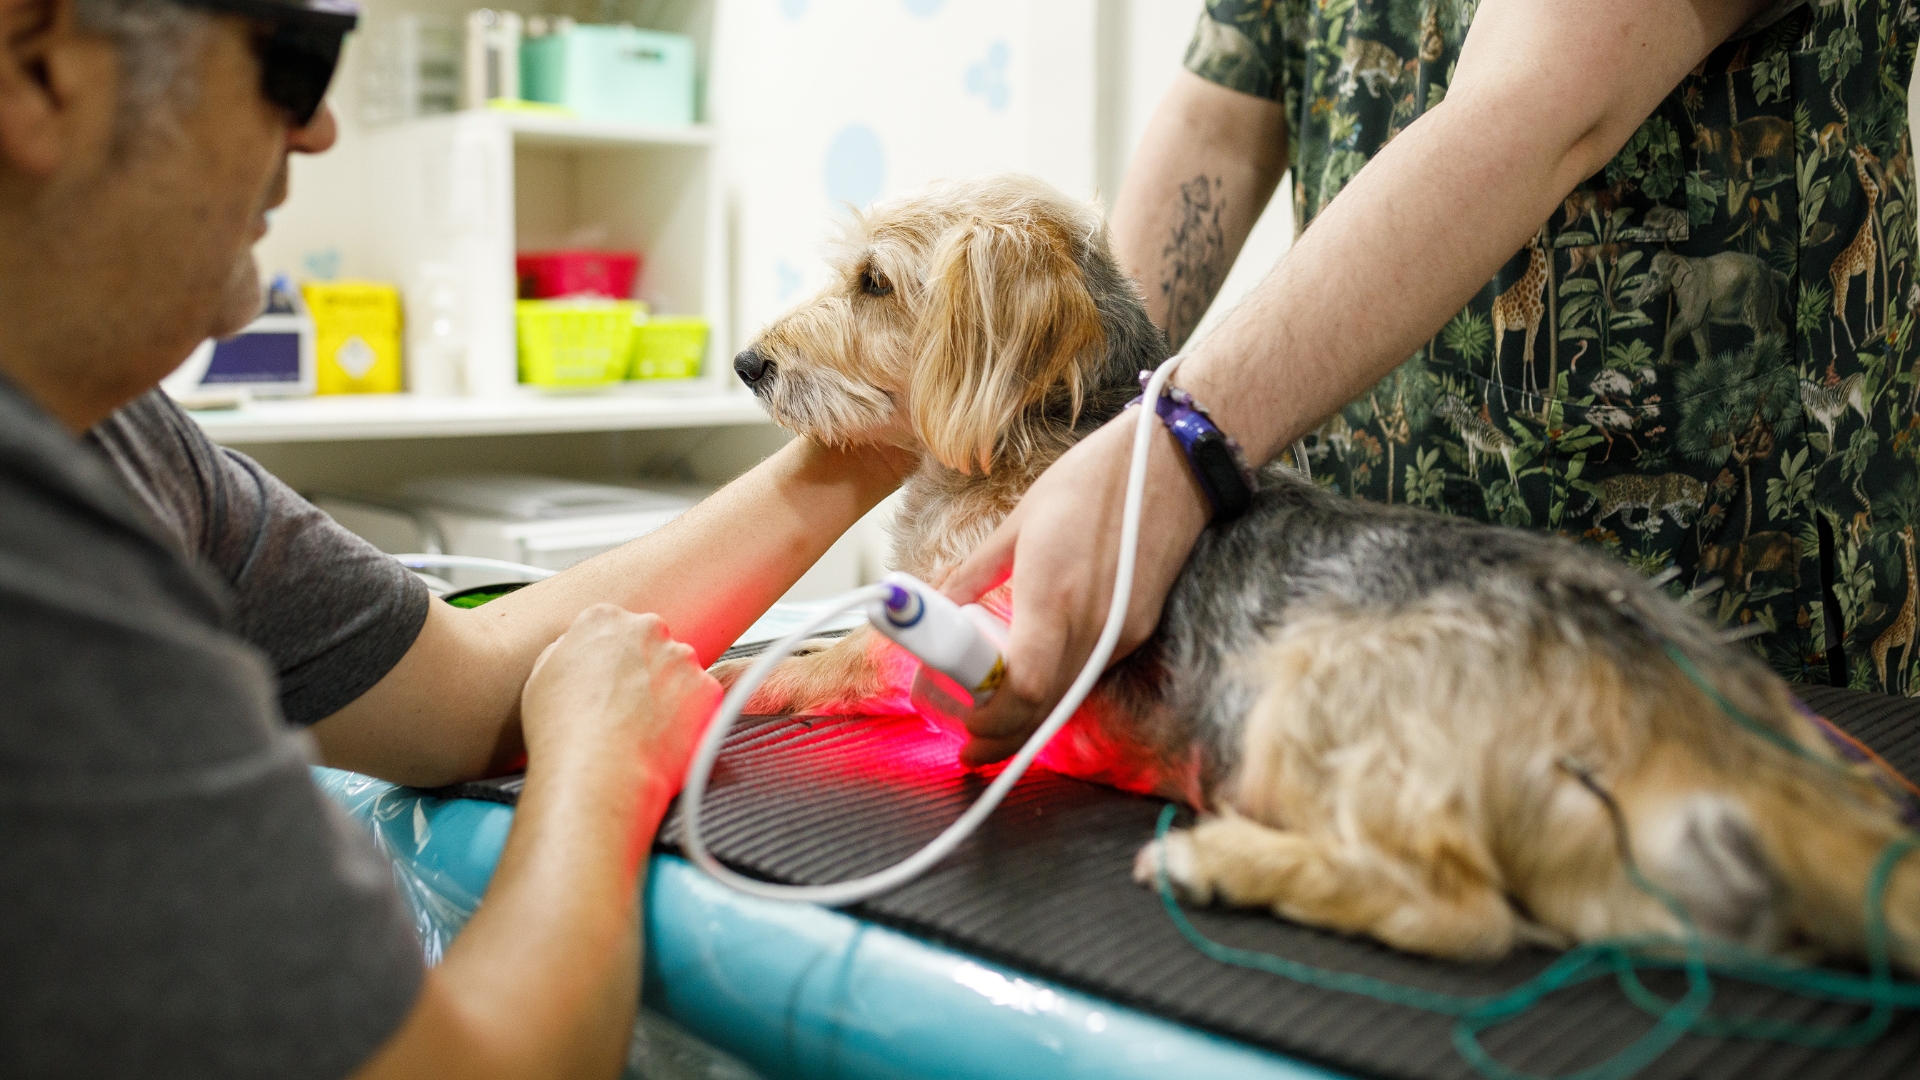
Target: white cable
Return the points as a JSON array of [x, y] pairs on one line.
[[416, 560], [858, 889]]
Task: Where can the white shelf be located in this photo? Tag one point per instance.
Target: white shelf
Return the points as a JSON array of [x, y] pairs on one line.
[[536, 129], [404, 416], [463, 192]]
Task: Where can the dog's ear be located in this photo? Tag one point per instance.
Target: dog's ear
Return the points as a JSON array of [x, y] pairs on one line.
[[1005, 324]]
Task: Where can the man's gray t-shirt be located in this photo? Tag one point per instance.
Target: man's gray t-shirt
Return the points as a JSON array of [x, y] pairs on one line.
[[176, 897], [332, 612]]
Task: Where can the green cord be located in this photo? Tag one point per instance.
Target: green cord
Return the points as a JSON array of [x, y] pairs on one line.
[[1620, 958], [1624, 957], [1738, 715], [1879, 990]]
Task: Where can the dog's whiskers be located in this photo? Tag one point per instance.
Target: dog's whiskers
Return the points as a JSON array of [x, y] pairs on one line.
[[1700, 592], [839, 415]]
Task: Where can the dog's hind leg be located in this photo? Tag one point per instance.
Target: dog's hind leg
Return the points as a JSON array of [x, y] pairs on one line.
[[1824, 842], [1323, 882]]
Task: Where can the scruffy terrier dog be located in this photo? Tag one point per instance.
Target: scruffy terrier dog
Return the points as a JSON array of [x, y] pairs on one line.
[[1394, 723]]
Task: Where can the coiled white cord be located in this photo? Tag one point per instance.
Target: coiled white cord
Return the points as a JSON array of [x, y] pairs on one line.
[[858, 889]]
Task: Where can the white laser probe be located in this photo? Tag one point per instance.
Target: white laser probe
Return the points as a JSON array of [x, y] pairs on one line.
[[966, 644]]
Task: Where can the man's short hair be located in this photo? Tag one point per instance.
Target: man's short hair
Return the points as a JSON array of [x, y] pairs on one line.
[[158, 42]]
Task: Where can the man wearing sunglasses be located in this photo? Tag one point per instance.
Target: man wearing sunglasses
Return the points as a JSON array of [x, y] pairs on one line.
[[176, 898]]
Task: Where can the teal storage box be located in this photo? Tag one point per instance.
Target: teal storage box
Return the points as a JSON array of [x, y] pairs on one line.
[[618, 73]]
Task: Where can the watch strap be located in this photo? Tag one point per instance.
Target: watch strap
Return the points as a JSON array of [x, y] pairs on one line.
[[1217, 463]]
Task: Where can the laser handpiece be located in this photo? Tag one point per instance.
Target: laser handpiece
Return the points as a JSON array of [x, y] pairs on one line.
[[966, 644]]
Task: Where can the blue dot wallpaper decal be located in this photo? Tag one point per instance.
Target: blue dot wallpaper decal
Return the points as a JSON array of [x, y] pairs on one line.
[[988, 78], [856, 166], [787, 280], [793, 9], [924, 8]]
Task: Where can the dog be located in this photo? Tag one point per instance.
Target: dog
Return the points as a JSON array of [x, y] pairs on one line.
[[1447, 735]]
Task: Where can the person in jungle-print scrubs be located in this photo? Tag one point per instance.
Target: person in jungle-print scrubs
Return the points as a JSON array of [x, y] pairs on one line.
[[1703, 363]]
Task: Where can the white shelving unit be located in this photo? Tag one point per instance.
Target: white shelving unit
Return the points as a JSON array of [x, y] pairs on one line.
[[462, 193], [452, 198], [404, 416], [535, 129]]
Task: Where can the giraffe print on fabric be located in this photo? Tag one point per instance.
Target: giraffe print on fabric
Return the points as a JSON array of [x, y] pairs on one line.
[[1717, 371]]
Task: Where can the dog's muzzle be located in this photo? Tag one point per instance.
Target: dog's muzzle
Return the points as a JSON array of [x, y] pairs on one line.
[[752, 368]]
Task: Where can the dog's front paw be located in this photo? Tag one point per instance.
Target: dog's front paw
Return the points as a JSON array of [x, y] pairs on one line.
[[820, 674], [1183, 868], [771, 698], [728, 672]]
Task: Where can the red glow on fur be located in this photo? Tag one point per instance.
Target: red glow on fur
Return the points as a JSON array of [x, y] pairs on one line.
[[1085, 749]]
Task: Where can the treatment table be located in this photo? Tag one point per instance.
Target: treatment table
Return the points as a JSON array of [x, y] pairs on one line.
[[1030, 952]]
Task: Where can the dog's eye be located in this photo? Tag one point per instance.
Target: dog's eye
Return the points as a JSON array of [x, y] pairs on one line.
[[873, 283]]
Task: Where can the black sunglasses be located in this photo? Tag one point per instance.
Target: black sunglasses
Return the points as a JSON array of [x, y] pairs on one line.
[[298, 46]]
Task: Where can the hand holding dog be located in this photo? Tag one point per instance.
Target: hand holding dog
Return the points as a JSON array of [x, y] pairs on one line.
[[1060, 547]]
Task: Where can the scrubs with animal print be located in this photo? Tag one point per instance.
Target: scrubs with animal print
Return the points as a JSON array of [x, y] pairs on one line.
[[1704, 360]]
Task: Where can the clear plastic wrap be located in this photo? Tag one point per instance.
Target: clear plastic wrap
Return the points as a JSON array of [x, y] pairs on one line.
[[442, 851]]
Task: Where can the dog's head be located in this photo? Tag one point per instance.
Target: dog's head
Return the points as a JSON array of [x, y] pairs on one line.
[[974, 321]]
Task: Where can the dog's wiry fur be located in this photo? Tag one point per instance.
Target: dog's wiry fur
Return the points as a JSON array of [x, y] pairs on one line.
[[1384, 713]]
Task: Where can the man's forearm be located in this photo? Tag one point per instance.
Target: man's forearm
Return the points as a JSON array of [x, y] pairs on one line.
[[449, 710], [1326, 324], [1442, 207], [1204, 171], [713, 570]]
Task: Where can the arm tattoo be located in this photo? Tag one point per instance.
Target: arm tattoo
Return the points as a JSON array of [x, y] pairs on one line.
[[1193, 262]]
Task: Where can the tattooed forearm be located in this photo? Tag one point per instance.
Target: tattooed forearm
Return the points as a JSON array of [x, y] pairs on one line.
[[1193, 263]]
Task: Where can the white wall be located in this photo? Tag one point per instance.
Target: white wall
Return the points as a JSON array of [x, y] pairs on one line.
[[824, 104], [325, 218], [821, 101]]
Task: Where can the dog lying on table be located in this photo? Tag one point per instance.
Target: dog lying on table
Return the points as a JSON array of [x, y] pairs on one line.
[[1394, 723]]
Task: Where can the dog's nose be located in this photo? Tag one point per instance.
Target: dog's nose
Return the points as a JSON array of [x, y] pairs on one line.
[[752, 367]]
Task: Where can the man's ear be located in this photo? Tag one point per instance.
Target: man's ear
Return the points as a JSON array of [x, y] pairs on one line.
[[1007, 318], [44, 61]]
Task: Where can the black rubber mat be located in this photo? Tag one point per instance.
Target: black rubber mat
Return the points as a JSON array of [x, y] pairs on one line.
[[1044, 887]]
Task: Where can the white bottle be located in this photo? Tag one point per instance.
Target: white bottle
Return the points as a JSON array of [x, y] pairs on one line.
[[493, 57], [436, 331]]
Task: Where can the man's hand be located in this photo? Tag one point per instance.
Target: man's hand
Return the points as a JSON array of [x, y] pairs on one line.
[[618, 680], [544, 980], [1061, 546]]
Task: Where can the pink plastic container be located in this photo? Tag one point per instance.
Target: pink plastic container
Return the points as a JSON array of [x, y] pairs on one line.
[[552, 275]]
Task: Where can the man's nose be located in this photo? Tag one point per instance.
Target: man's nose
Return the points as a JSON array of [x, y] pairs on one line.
[[752, 367], [317, 135]]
